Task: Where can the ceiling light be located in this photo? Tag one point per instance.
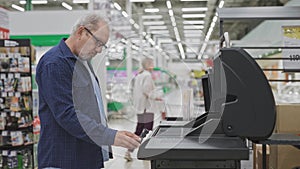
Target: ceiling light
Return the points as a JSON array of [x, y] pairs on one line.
[[195, 0], [193, 9], [193, 15], [169, 4], [177, 34], [157, 27], [175, 30], [192, 35], [22, 2], [173, 21], [191, 31], [221, 4], [213, 24], [165, 40], [215, 19], [181, 50], [131, 21], [151, 10], [171, 13], [117, 6], [81, 1], [142, 0], [17, 7], [136, 26], [193, 27], [160, 32], [193, 22], [39, 1], [124, 14], [152, 16], [67, 6], [154, 23]]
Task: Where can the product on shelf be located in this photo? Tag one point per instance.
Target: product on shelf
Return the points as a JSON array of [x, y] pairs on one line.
[[16, 115]]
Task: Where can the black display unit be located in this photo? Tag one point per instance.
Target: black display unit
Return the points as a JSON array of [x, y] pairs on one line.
[[16, 139]]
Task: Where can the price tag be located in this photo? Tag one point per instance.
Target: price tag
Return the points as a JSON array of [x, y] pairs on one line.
[[17, 75], [4, 133], [4, 152], [292, 56], [10, 55], [12, 114], [3, 114], [293, 59], [17, 55], [4, 94], [18, 114], [10, 94], [18, 94], [10, 75], [13, 153]]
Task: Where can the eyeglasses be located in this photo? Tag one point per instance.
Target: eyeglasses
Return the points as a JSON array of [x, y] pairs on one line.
[[98, 42]]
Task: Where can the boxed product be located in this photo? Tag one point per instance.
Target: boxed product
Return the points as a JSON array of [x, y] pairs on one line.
[[288, 121], [284, 157]]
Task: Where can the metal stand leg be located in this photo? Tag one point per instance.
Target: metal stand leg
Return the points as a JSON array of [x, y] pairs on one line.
[[264, 156], [153, 164]]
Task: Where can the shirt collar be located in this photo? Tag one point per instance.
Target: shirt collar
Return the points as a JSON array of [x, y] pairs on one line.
[[65, 49]]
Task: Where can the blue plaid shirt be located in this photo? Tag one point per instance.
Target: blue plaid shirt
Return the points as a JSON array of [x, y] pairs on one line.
[[64, 142]]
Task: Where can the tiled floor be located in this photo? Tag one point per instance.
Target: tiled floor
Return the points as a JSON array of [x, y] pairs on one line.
[[120, 163]]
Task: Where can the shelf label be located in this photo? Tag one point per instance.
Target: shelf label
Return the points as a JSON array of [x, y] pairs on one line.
[[18, 114], [5, 153], [17, 75], [291, 37], [4, 133], [4, 94], [18, 94], [3, 114], [10, 75], [13, 153], [12, 114]]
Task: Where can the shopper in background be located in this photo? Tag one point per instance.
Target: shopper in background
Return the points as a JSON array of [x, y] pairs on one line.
[[74, 132], [143, 97]]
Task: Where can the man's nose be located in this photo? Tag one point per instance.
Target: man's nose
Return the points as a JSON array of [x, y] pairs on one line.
[[99, 49]]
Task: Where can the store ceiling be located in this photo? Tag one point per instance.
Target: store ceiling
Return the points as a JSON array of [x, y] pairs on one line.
[[180, 39]]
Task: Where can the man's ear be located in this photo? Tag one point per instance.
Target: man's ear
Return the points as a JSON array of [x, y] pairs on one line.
[[80, 32]]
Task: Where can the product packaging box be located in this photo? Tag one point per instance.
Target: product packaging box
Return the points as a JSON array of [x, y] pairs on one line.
[[288, 121]]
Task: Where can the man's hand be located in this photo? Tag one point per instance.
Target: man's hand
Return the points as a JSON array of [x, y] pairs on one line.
[[127, 140]]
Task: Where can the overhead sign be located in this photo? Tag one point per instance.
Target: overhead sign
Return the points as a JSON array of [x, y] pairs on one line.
[[4, 24], [291, 37]]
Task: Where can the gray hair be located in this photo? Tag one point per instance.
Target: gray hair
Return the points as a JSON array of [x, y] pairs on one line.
[[146, 62], [89, 21]]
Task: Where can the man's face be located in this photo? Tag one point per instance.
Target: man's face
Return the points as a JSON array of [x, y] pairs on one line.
[[95, 43]]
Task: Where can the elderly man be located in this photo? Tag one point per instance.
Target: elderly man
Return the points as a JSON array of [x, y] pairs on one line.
[[74, 132]]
